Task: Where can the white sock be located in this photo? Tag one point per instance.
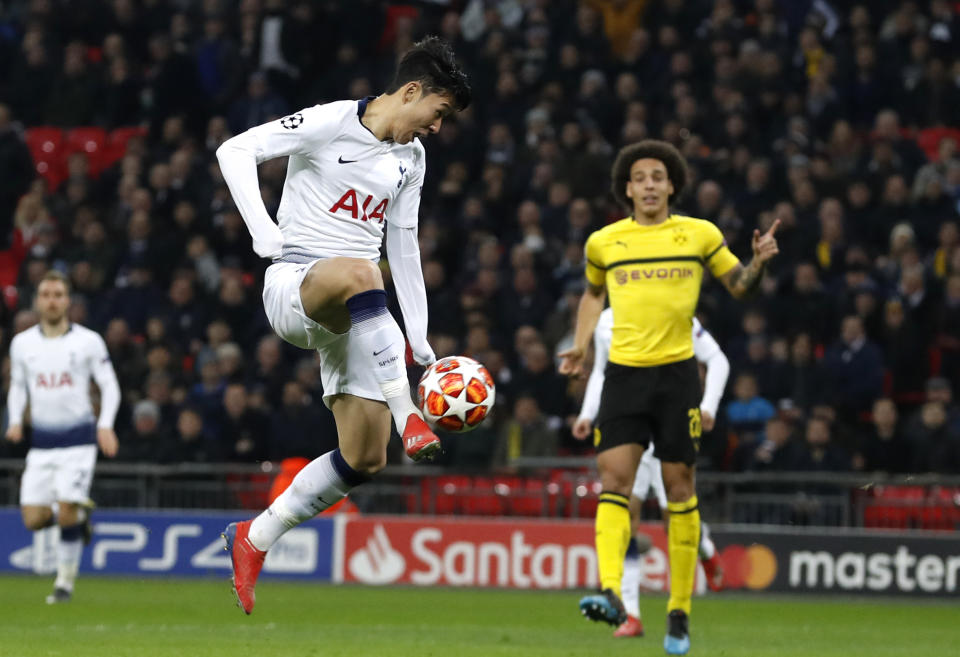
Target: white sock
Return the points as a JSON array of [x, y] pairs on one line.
[[321, 484], [68, 557], [376, 333], [630, 582], [707, 548]]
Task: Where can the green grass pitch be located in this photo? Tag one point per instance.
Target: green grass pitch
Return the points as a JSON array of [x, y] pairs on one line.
[[145, 618]]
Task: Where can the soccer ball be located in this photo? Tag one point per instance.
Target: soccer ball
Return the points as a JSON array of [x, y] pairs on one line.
[[456, 393]]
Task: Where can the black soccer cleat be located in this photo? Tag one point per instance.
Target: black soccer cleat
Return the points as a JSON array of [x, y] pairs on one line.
[[604, 606], [677, 640]]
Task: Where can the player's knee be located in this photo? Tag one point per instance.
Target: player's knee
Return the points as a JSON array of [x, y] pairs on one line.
[[362, 275], [370, 464], [35, 522]]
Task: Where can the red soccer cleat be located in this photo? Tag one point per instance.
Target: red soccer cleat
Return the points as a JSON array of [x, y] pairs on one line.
[[714, 572], [420, 443], [247, 562], [631, 627]]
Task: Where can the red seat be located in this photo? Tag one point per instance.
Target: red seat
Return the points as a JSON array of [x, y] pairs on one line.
[[47, 148], [117, 141], [91, 141], [483, 498], [444, 495], [531, 500]]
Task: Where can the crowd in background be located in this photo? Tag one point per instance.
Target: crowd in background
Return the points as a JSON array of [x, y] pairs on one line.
[[840, 118]]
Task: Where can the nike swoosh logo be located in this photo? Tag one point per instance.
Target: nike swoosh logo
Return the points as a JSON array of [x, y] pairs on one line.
[[377, 353], [343, 161]]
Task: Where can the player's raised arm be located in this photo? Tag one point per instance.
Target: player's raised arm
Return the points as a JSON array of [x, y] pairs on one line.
[[742, 280], [302, 132]]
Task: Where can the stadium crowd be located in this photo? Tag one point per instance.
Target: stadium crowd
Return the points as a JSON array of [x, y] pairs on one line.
[[840, 118]]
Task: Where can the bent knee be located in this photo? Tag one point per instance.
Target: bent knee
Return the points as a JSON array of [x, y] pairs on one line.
[[370, 464], [361, 275]]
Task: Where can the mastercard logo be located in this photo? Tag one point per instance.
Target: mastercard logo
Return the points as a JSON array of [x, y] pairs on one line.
[[752, 566]]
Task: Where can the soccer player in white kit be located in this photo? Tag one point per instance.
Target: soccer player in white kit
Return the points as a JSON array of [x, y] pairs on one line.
[[707, 351], [51, 365], [355, 171]]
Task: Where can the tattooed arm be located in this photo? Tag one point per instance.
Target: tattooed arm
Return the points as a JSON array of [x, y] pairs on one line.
[[741, 281]]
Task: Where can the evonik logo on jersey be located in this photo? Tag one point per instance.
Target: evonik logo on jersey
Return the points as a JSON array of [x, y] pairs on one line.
[[349, 202]]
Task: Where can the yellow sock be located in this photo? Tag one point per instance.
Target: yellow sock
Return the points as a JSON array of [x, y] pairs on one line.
[[613, 535], [683, 541]]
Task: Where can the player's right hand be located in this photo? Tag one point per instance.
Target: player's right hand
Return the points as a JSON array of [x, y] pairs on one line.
[[581, 428], [15, 433], [571, 363]]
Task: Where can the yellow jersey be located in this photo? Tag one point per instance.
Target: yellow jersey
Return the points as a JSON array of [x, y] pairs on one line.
[[653, 276]]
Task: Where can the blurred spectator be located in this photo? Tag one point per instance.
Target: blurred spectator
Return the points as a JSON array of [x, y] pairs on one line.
[[146, 440], [17, 167], [884, 447], [748, 411], [526, 434], [936, 445], [854, 369]]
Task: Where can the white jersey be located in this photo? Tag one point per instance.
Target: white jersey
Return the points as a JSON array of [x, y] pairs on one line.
[[54, 375], [342, 184], [705, 349]]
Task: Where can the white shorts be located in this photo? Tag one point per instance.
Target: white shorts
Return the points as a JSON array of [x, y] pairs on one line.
[[342, 369], [649, 476], [58, 474]]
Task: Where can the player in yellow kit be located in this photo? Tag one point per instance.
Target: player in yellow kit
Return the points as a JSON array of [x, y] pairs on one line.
[[651, 264]]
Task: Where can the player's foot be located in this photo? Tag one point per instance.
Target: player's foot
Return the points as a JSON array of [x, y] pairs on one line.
[[633, 626], [247, 562], [59, 596], [677, 640], [714, 572], [420, 443], [86, 527], [604, 606]]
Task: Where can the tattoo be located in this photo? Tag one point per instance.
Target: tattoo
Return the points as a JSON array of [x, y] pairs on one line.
[[746, 279]]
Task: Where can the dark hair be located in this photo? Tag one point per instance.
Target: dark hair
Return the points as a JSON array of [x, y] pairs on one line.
[[653, 149], [431, 62]]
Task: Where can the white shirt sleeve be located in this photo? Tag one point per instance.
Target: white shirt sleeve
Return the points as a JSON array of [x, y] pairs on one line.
[[708, 352], [302, 132], [17, 395], [403, 254], [406, 208], [602, 336], [102, 370]]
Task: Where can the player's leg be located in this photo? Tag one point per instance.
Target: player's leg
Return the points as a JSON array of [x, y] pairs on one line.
[[346, 294], [630, 583], [37, 517], [72, 481], [363, 427], [617, 467], [677, 443]]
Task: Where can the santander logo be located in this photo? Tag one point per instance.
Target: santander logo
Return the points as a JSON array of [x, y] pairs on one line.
[[378, 562], [538, 555]]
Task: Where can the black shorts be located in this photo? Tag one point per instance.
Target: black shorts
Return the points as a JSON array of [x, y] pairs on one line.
[[661, 403]]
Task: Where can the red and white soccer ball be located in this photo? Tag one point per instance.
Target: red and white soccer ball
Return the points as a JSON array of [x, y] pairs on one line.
[[456, 393]]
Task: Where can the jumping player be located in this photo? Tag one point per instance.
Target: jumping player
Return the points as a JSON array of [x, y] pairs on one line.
[[355, 171]]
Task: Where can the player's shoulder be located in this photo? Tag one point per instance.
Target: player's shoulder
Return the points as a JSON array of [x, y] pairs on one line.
[[611, 231], [694, 223], [25, 338], [418, 153], [83, 334]]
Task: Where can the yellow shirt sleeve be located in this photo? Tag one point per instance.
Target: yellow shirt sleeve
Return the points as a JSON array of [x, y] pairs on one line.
[[596, 271], [717, 256]]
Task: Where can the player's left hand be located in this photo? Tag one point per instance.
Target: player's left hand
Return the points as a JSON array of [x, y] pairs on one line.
[[423, 354], [765, 246], [107, 440], [707, 421], [581, 428]]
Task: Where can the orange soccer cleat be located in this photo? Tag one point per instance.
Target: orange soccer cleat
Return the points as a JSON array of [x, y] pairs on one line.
[[247, 562], [713, 569], [420, 443], [633, 626]]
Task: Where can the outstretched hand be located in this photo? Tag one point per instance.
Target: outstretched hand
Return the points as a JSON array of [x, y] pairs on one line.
[[571, 363], [765, 245]]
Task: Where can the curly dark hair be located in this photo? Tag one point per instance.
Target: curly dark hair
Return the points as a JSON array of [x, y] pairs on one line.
[[431, 62], [653, 149]]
